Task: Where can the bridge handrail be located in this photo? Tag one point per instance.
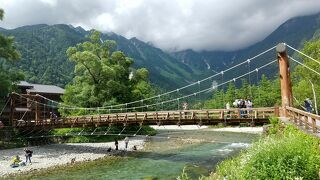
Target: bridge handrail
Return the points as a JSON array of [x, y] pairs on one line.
[[302, 118], [204, 116], [263, 109], [304, 113]]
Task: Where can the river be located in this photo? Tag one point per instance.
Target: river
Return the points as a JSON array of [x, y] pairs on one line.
[[167, 154]]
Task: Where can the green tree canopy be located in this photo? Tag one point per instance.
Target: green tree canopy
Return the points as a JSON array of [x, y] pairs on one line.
[[104, 75], [303, 77], [265, 94], [8, 52]]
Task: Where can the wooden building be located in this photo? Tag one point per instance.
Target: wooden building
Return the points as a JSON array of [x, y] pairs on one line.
[[33, 102]]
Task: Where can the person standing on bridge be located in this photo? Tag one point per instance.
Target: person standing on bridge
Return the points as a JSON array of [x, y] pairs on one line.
[[308, 105], [185, 106], [228, 109]]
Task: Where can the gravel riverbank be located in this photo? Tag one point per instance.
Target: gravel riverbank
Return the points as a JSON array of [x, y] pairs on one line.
[[254, 130], [59, 154]]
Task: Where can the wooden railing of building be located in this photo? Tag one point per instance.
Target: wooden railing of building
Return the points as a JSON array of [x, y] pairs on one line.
[[185, 117], [305, 120]]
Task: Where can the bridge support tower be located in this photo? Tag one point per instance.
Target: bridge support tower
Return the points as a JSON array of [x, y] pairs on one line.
[[284, 75]]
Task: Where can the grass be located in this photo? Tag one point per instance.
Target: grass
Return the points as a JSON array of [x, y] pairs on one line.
[[284, 152]]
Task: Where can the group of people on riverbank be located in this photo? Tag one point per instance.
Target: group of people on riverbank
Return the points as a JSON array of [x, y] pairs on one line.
[[126, 142], [16, 161]]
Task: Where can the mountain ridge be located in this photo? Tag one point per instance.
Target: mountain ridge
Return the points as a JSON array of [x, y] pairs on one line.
[[44, 59], [43, 50], [295, 32]]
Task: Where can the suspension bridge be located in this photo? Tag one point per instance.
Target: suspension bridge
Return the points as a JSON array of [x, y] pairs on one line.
[[34, 112]]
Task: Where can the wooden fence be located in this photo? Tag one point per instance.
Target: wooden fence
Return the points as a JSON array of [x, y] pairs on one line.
[[304, 119]]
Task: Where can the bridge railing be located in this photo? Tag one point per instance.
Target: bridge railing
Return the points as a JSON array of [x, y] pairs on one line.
[[205, 116], [304, 119], [181, 115]]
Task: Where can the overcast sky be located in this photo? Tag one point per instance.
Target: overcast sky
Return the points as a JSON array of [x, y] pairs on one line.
[[168, 24]]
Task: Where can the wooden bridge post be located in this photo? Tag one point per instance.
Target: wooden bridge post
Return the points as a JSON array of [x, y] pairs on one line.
[[37, 109], [314, 126], [276, 110], [284, 75], [12, 107], [300, 121]]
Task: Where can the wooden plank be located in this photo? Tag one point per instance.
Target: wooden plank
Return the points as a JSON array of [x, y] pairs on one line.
[[314, 127]]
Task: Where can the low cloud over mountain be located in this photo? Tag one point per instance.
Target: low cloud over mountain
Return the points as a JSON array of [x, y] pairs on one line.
[[168, 24]]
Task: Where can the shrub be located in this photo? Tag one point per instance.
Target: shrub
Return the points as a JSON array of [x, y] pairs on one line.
[[290, 154]]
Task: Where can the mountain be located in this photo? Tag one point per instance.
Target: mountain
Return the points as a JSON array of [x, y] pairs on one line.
[[293, 32], [43, 48], [44, 59]]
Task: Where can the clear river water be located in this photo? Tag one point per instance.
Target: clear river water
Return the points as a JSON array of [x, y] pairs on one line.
[[167, 154]]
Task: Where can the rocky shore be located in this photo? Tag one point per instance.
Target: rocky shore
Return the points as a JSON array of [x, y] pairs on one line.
[[254, 130], [60, 154]]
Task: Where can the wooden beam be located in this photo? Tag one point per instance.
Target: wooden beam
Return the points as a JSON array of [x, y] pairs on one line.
[[284, 75], [12, 106]]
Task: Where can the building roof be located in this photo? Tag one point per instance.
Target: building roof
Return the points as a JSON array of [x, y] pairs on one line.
[[24, 84], [41, 88]]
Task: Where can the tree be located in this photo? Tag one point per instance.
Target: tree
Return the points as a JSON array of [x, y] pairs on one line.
[[104, 75], [265, 94], [9, 53], [302, 76], [217, 101], [230, 94]]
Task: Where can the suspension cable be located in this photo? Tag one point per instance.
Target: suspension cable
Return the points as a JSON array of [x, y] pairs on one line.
[[137, 131], [304, 65], [303, 54], [257, 70], [173, 91], [5, 106], [250, 91], [222, 79], [32, 101], [186, 96], [209, 89]]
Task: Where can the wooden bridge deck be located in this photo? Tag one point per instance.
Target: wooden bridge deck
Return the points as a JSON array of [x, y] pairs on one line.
[[183, 117]]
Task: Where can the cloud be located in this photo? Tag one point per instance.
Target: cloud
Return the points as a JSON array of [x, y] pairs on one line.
[[168, 24]]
